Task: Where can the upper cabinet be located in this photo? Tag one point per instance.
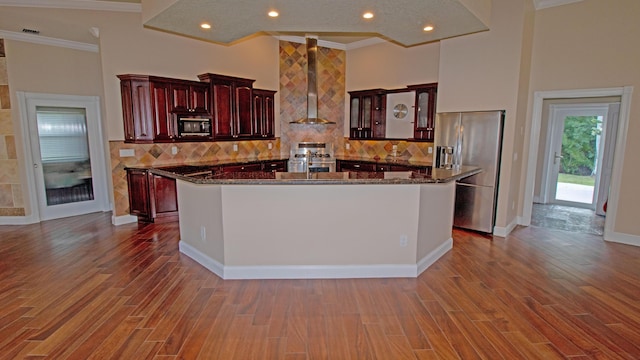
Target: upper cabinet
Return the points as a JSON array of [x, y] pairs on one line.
[[232, 106], [152, 105], [190, 97], [146, 109], [264, 112], [425, 111], [367, 114], [371, 118]]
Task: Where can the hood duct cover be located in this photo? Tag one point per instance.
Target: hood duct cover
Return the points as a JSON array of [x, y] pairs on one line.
[[312, 87]]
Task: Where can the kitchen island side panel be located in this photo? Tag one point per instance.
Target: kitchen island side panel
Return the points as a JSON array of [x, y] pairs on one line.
[[200, 211]]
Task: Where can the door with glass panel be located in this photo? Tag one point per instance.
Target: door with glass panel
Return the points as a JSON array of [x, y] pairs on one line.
[[575, 157], [67, 155]]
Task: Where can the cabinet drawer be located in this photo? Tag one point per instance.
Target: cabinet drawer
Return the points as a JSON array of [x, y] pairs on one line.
[[356, 166], [240, 168], [274, 166]]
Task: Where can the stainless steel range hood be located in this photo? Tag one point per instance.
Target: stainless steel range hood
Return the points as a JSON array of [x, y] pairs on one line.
[[312, 86]]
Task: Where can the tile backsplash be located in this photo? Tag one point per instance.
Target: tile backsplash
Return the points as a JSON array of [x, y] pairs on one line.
[[162, 154]]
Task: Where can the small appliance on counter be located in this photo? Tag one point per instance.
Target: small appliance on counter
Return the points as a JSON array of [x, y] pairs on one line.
[[472, 139], [312, 157]]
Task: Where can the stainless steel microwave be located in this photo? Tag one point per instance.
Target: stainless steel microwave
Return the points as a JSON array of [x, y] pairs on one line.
[[190, 126]]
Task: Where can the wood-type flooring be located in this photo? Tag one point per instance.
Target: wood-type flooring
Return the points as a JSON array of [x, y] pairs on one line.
[[80, 288]]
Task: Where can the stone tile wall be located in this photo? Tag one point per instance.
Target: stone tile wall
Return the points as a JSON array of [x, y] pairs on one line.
[[11, 195], [408, 150], [161, 155]]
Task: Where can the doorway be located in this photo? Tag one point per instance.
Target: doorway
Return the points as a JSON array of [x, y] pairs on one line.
[[577, 154], [616, 164], [63, 142]]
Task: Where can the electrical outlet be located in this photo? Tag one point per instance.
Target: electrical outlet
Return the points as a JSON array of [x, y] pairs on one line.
[[235, 147], [430, 150], [203, 233], [270, 146], [347, 146], [174, 150], [404, 240]]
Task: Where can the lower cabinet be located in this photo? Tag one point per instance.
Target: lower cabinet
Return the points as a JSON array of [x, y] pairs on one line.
[[354, 165], [152, 198]]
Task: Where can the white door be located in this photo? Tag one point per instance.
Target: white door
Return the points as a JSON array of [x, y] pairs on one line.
[[67, 154], [574, 158]]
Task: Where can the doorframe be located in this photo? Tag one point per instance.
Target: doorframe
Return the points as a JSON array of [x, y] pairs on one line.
[[558, 109], [92, 105], [618, 158]]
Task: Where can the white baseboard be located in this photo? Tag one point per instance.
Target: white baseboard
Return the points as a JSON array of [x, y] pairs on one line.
[[622, 238], [123, 219], [504, 231], [18, 220], [202, 259], [315, 271], [432, 257]]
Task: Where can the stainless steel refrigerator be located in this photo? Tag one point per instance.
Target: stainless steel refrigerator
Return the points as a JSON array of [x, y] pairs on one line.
[[475, 139]]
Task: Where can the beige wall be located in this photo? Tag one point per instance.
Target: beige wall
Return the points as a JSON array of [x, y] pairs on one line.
[[482, 72], [389, 66], [127, 47], [593, 44], [51, 70]]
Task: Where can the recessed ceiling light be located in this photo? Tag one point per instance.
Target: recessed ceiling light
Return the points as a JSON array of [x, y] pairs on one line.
[[273, 13], [205, 26], [428, 28], [368, 15]]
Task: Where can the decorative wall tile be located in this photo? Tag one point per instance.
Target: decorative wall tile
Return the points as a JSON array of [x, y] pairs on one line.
[[6, 196], [189, 152], [407, 150], [331, 66]]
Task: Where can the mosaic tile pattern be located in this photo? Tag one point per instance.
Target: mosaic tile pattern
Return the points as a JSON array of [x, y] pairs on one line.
[[11, 196], [161, 155], [331, 68], [408, 150]]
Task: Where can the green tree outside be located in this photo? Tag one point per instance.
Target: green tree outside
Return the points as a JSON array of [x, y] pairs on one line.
[[579, 145]]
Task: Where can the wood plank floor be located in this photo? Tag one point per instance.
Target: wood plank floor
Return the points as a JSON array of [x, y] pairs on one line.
[[79, 288]]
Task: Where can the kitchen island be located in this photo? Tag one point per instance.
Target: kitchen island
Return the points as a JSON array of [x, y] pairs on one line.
[[323, 225]]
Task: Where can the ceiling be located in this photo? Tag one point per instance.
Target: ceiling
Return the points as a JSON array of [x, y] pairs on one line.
[[399, 21], [333, 21]]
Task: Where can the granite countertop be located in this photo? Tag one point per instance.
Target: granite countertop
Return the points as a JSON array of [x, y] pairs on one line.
[[389, 160], [343, 178]]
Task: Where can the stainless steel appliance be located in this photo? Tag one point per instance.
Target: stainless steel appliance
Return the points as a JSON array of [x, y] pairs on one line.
[[312, 157], [475, 139], [194, 126]]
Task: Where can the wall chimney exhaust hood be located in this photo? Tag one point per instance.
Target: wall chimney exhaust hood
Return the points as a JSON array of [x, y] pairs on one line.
[[312, 87]]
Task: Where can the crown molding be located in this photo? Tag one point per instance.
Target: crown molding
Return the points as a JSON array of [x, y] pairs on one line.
[[334, 45], [43, 40], [76, 4], [543, 4]]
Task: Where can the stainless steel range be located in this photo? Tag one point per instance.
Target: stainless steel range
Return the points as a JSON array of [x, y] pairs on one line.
[[312, 157]]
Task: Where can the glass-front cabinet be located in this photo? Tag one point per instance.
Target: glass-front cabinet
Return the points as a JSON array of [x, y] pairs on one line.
[[367, 112], [425, 111]]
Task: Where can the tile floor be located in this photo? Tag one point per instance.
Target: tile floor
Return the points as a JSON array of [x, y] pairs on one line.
[[567, 218]]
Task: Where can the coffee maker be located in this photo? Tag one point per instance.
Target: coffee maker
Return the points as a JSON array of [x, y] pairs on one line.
[[444, 157]]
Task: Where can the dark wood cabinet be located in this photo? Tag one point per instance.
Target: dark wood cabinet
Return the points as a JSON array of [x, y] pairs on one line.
[[190, 97], [136, 108], [425, 111], [275, 165], [356, 165], [264, 113], [152, 198], [151, 106], [349, 165], [241, 167], [367, 114], [232, 107]]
